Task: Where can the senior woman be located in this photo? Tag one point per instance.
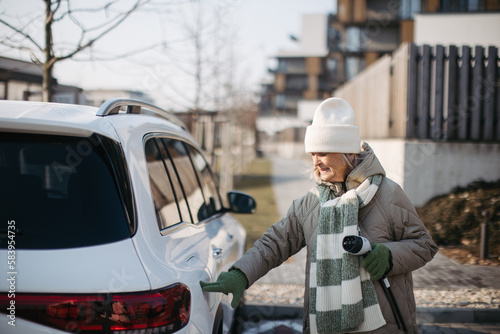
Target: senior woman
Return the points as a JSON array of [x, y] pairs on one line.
[[352, 197]]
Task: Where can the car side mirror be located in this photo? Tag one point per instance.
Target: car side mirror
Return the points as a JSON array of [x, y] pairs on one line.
[[239, 202]]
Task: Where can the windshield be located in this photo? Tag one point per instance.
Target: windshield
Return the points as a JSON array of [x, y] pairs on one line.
[[60, 192]]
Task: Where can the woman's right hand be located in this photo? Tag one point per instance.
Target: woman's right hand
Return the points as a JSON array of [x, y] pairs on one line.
[[234, 281]]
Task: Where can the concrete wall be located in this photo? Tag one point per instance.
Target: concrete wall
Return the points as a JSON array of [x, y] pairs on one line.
[[390, 152], [428, 169], [458, 29]]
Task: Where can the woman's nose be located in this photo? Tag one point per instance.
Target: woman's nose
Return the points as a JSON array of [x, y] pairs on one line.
[[315, 160]]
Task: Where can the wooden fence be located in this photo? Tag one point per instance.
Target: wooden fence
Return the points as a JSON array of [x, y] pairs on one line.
[[453, 95], [378, 96], [227, 139], [422, 92]]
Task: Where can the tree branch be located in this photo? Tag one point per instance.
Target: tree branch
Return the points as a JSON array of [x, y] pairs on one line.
[[124, 55], [81, 47], [22, 33], [53, 11], [22, 48], [84, 10]]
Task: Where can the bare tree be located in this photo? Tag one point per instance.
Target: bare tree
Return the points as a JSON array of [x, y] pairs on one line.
[[44, 51], [195, 70]]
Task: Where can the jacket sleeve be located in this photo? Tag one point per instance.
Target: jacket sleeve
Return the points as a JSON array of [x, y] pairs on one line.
[[282, 240], [412, 246]]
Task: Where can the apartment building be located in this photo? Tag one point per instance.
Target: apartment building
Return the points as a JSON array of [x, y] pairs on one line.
[[334, 48]]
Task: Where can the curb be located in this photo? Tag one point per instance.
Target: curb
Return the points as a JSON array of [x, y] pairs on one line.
[[458, 315], [257, 312]]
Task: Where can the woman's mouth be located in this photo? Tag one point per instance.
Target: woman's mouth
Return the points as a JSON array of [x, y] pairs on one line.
[[324, 170]]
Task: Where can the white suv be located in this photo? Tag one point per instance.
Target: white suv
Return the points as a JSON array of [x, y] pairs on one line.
[[109, 220]]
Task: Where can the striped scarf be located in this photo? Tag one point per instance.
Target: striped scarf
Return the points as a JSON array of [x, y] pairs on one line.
[[342, 297]]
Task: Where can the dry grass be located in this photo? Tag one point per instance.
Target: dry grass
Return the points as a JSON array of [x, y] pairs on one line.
[[256, 181]]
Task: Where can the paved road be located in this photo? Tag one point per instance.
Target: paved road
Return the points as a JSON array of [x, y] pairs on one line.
[[290, 181]]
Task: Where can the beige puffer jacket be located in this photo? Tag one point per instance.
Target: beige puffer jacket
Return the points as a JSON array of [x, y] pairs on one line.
[[389, 218]]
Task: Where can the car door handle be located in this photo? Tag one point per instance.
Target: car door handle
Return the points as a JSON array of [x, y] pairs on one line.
[[216, 252]]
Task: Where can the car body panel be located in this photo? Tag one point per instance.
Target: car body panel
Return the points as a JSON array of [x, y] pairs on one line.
[[19, 325], [53, 118], [23, 326], [113, 267]]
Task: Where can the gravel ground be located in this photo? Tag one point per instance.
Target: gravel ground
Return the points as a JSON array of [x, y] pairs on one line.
[[292, 294]]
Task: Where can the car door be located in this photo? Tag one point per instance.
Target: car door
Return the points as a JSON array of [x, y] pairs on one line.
[[198, 192], [191, 197], [172, 213], [224, 232]]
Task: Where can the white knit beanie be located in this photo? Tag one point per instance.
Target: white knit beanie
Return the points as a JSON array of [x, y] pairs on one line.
[[332, 129]]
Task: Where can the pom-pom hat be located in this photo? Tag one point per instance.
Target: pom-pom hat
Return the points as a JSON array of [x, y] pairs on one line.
[[332, 129]]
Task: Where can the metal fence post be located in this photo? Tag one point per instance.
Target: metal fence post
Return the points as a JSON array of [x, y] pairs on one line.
[[483, 251]]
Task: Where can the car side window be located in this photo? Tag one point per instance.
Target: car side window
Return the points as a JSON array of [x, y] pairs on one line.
[[161, 178], [187, 178], [182, 185], [206, 179]]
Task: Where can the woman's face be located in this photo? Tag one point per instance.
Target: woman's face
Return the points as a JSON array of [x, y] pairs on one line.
[[330, 166]]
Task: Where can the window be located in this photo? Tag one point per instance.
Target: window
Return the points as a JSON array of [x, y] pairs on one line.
[[3, 90], [458, 5], [160, 179], [63, 192], [208, 185], [331, 65], [355, 39], [334, 39], [187, 184], [182, 184], [408, 9], [353, 65], [297, 82], [280, 101], [291, 65]]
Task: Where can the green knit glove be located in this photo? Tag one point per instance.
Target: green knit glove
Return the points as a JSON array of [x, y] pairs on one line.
[[378, 261], [234, 281]]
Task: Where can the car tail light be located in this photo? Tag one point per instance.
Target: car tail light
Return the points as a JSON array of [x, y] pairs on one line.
[[167, 309], [66, 312], [161, 311]]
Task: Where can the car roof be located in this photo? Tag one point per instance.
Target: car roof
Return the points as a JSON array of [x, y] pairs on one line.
[[78, 120]]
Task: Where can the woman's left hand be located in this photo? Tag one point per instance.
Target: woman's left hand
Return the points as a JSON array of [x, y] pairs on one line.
[[378, 261]]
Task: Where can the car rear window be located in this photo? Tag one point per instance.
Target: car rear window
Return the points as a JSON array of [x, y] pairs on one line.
[[60, 192]]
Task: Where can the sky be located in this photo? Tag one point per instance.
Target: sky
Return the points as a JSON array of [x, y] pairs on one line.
[[254, 31]]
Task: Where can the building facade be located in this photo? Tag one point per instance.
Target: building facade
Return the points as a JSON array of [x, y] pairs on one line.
[[334, 48]]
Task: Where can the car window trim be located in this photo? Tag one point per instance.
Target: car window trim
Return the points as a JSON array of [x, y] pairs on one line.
[[186, 147], [212, 175], [169, 178], [172, 228], [178, 179], [121, 176]]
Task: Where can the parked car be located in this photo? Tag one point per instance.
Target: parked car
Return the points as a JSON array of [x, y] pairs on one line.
[[109, 220]]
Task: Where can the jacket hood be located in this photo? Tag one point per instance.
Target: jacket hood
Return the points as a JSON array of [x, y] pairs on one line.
[[369, 165]]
